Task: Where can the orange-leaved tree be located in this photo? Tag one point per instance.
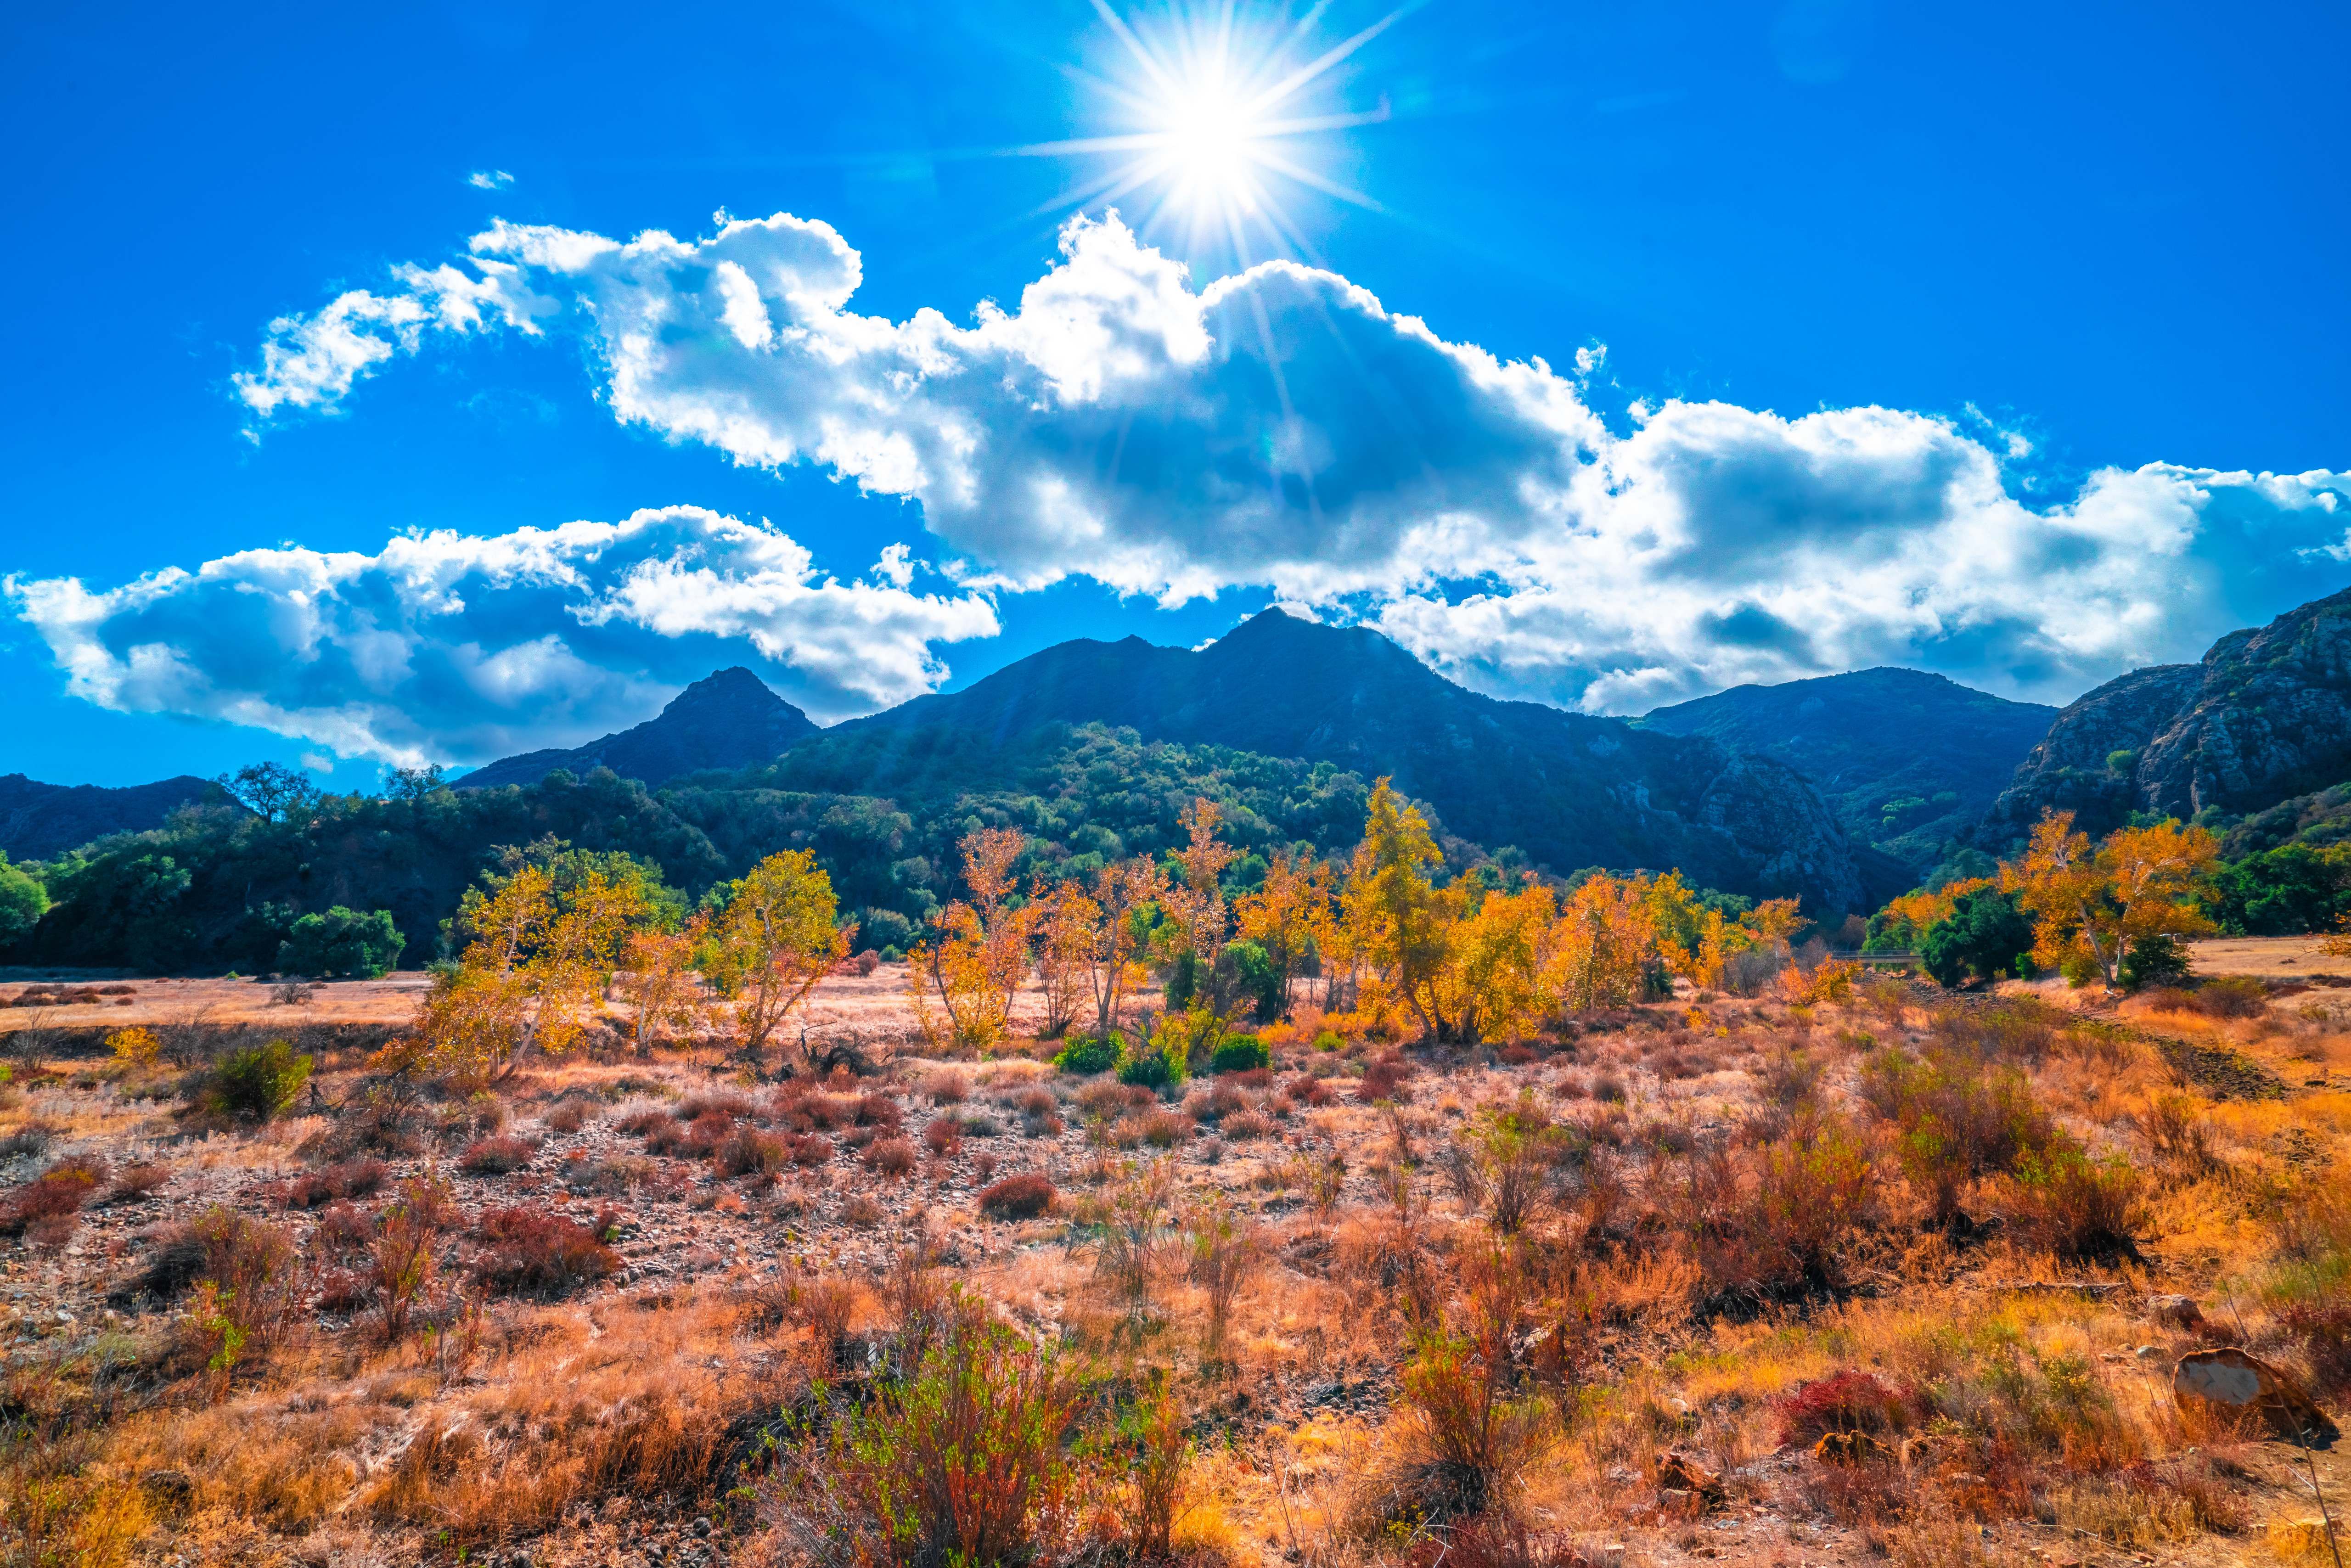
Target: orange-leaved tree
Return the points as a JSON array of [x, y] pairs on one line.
[[530, 977], [1065, 925], [2090, 906], [1197, 918], [774, 939], [974, 962], [659, 982], [1122, 895]]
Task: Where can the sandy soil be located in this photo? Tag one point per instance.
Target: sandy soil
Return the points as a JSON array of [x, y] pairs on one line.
[[2272, 958]]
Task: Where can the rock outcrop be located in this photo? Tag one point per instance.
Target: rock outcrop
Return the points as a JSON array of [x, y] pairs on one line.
[[2070, 770], [2270, 719], [727, 720], [2264, 718]]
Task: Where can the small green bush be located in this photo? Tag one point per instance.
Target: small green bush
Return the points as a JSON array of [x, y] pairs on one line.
[[257, 1080], [1241, 1053], [1329, 1040], [2152, 961], [1150, 1068], [1088, 1055]]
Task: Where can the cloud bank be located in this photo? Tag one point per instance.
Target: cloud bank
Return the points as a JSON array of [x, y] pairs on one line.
[[444, 647], [1282, 429]]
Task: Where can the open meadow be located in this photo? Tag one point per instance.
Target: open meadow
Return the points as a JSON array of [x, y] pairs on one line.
[[1673, 1280]]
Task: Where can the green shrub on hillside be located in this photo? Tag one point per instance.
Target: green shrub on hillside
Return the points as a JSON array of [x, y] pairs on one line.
[[256, 1080]]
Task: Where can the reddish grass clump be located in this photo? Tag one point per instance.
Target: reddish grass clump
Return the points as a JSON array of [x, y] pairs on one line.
[[568, 1116], [879, 1110], [646, 1120], [352, 1178], [943, 1136], [498, 1156], [1022, 1197], [57, 1194], [1385, 1080], [138, 1181], [750, 1150], [531, 1252], [732, 1103], [1847, 1401], [892, 1157]]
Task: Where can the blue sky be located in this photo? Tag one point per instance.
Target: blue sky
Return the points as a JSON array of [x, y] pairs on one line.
[[1898, 307]]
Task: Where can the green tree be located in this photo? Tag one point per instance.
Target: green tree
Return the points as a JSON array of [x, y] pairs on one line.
[[23, 902], [342, 941], [271, 789], [1986, 934]]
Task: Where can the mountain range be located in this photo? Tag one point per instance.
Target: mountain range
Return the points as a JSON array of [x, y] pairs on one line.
[[1844, 789]]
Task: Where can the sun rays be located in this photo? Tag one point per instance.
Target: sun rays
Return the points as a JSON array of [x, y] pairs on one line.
[[1223, 113]]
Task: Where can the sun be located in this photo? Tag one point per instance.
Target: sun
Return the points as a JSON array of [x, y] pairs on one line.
[[1218, 106]]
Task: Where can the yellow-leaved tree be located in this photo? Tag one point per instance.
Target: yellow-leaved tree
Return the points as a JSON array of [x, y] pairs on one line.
[[2092, 905], [1396, 923], [974, 964], [531, 975], [1607, 945], [1290, 914], [774, 939]]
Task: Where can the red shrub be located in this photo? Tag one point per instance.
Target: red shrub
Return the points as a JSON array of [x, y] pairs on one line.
[[58, 1191], [498, 1156], [1847, 1401], [1023, 1197], [943, 1136], [530, 1253], [748, 1150], [878, 1111], [344, 1228], [646, 1120], [1385, 1080], [829, 1111], [568, 1116], [808, 1148], [345, 1292], [1307, 1090], [729, 1102], [353, 1178], [138, 1181], [892, 1157]]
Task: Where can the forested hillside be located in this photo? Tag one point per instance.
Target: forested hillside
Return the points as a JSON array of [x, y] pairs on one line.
[[218, 888], [1907, 760]]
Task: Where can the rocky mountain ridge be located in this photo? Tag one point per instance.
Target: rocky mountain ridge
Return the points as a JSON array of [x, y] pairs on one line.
[[38, 821]]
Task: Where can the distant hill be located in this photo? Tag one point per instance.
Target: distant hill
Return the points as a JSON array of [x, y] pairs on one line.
[[726, 720], [38, 821], [1569, 791], [2264, 718], [1907, 760]]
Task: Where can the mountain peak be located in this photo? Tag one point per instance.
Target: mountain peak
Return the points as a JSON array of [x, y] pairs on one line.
[[727, 719]]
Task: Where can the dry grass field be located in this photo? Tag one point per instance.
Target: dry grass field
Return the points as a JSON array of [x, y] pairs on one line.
[[1593, 1297]]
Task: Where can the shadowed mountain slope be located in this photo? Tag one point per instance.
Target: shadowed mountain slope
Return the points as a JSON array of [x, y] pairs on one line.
[[1907, 760], [38, 821], [1570, 791], [728, 719]]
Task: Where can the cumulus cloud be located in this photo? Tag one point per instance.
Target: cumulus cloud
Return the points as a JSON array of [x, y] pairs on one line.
[[450, 647], [1284, 430]]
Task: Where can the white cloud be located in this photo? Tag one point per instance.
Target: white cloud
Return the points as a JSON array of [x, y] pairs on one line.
[[1282, 429], [489, 179], [448, 647]]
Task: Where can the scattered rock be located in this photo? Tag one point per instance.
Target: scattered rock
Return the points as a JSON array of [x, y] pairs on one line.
[[2231, 1383], [2175, 1311], [1679, 1472]]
